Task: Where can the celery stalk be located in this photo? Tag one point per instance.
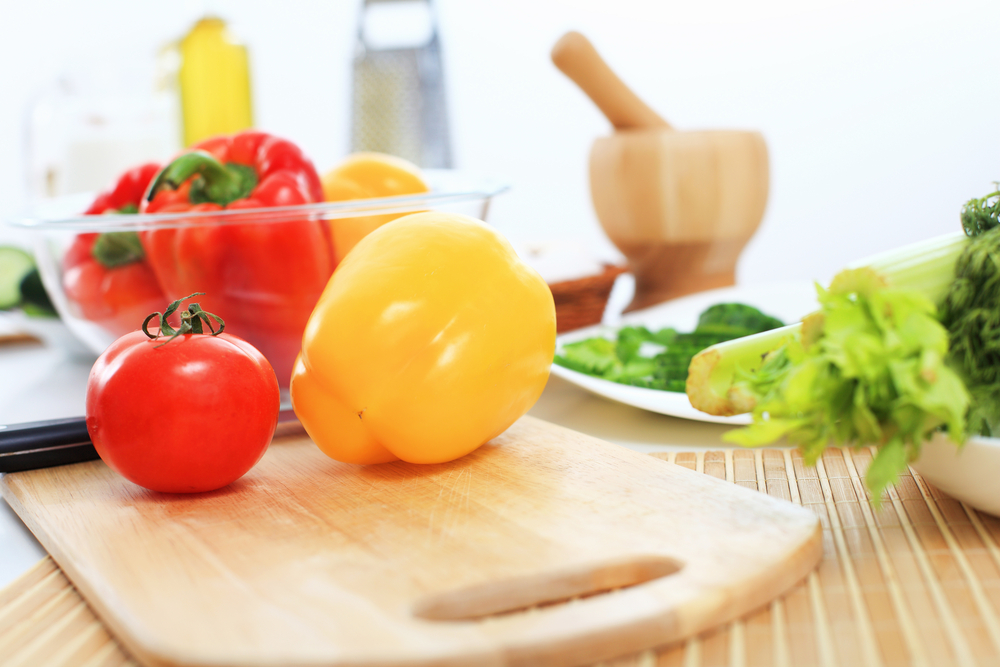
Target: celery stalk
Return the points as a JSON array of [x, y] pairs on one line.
[[926, 266], [870, 367], [713, 370], [906, 343]]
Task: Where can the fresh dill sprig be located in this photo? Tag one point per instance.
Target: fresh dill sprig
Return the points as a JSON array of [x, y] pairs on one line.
[[983, 214]]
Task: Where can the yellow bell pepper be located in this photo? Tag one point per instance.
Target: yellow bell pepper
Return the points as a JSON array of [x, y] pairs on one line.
[[365, 176], [431, 338]]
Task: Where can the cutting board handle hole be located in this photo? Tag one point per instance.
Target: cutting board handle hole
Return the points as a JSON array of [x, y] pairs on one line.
[[543, 590]]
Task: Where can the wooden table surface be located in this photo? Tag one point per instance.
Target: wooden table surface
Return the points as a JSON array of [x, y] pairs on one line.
[[45, 382], [916, 582]]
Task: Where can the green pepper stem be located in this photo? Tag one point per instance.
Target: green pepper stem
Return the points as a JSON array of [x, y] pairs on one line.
[[214, 182], [114, 249]]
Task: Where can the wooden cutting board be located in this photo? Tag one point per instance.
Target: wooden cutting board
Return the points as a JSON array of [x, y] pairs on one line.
[[543, 546]]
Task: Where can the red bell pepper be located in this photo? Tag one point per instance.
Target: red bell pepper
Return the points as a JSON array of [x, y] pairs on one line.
[[127, 193], [105, 276], [262, 278]]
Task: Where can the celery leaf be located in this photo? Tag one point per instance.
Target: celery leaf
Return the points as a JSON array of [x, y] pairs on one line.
[[874, 373]]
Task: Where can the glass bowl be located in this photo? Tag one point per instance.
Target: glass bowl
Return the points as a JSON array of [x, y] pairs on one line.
[[264, 289]]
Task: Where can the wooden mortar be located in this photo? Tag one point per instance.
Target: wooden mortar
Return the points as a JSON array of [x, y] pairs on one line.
[[681, 206]]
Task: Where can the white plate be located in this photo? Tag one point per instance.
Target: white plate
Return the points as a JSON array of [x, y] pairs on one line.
[[968, 474], [788, 302]]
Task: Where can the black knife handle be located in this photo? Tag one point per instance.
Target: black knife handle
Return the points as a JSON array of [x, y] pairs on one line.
[[55, 442], [44, 444]]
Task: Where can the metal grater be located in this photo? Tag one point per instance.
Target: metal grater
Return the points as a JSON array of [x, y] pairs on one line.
[[398, 104]]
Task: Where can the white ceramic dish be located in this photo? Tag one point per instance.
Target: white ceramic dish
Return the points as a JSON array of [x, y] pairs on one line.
[[786, 301], [970, 474]]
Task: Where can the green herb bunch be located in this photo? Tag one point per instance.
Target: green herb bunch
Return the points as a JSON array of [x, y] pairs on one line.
[[869, 367], [971, 313], [981, 215], [660, 359], [906, 343]]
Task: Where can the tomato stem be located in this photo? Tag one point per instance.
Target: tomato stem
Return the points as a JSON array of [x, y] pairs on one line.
[[193, 321]]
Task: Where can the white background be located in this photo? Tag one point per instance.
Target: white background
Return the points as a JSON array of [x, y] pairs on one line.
[[881, 116]]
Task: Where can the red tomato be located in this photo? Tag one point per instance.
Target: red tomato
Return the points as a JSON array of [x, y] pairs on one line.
[[189, 415]]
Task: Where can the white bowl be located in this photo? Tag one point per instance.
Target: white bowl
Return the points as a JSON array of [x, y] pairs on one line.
[[970, 474]]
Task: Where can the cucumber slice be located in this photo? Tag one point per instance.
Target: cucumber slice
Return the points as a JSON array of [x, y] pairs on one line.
[[15, 264], [35, 300]]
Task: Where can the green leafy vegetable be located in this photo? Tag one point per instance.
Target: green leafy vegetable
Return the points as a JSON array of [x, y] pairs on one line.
[[871, 369], [737, 319], [660, 359], [902, 348], [981, 215], [971, 312]]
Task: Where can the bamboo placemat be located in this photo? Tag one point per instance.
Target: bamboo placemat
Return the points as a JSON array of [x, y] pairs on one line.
[[915, 583]]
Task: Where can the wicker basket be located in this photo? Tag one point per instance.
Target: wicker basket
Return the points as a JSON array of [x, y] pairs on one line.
[[581, 302]]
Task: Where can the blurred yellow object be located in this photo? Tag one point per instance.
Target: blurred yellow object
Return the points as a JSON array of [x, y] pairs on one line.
[[366, 176], [214, 82]]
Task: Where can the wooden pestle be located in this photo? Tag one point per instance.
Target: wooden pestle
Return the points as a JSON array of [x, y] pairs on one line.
[[680, 206], [577, 58]]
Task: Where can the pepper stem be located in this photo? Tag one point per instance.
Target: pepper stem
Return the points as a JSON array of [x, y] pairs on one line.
[[114, 249], [213, 181], [193, 321]]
